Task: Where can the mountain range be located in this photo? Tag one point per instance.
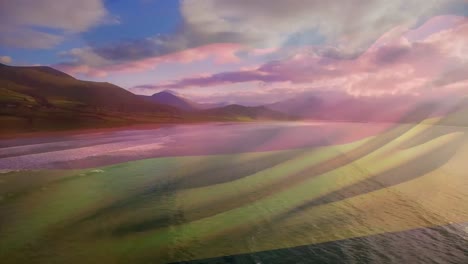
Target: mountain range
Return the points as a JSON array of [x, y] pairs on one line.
[[171, 98], [41, 98]]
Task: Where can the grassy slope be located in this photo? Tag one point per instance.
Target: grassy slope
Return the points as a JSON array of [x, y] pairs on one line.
[[44, 99], [155, 210]]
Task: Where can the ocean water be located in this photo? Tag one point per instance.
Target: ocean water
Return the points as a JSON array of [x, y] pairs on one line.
[[443, 244], [297, 192]]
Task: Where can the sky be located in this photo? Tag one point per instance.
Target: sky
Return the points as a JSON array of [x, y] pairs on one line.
[[247, 51]]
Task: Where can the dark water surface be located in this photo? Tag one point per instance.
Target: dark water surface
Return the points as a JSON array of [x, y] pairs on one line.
[[447, 244]]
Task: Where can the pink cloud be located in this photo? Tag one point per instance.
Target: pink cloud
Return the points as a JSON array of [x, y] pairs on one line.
[[222, 53], [434, 25], [402, 62]]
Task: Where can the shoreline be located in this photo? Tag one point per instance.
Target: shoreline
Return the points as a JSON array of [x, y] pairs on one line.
[[147, 126], [79, 131], [84, 131]]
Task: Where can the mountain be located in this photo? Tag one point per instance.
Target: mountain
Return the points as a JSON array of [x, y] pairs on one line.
[[168, 97], [42, 99], [301, 106], [214, 111], [47, 87]]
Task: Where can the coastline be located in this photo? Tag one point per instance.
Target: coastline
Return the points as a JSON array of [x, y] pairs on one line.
[[137, 126], [79, 131]]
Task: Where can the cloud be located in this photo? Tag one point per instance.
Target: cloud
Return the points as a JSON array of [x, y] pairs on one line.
[[87, 62], [218, 79], [5, 59], [29, 24], [130, 50], [344, 29], [393, 65], [349, 26], [27, 38], [452, 75]]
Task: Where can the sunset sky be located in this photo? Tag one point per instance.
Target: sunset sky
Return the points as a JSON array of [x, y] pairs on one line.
[[247, 51]]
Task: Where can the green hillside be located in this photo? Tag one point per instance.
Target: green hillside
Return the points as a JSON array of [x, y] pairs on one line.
[[42, 98]]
